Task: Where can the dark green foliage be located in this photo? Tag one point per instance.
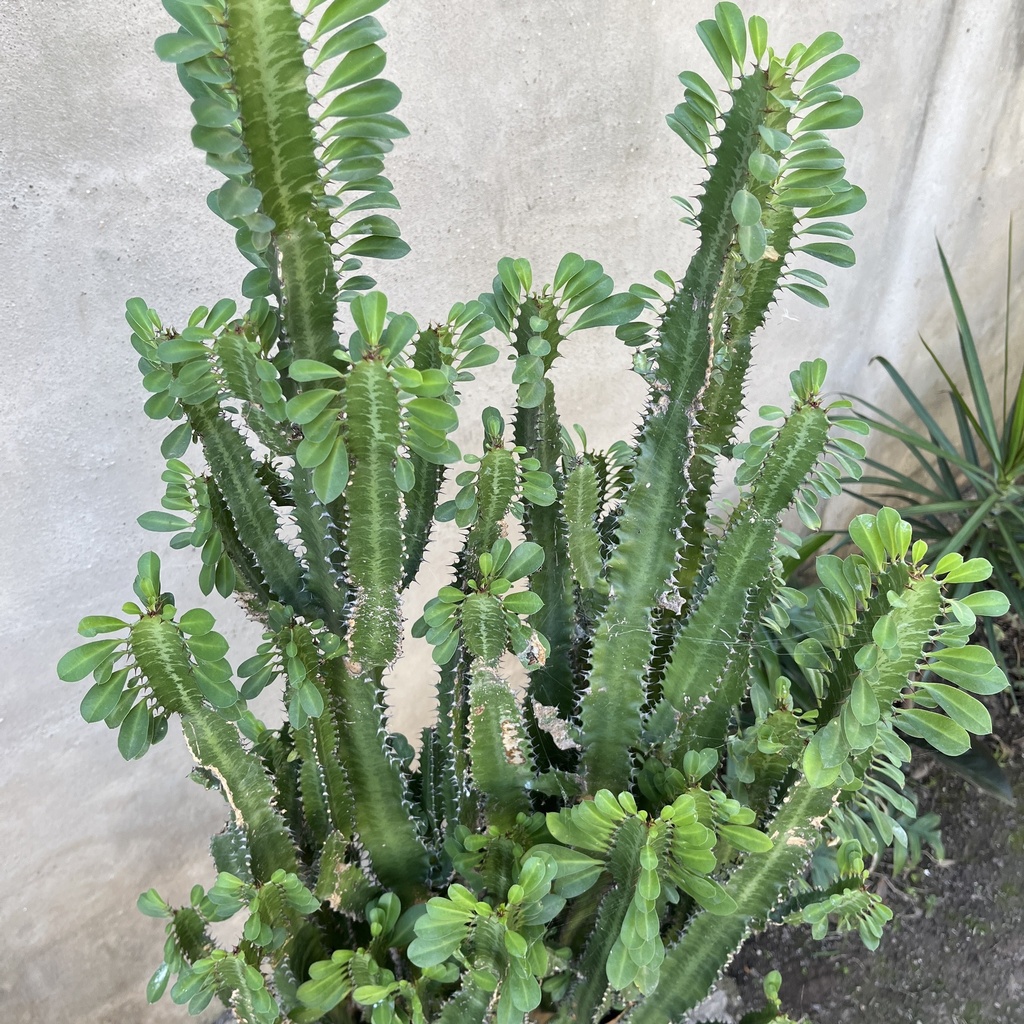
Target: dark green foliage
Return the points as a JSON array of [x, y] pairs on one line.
[[966, 495], [601, 840]]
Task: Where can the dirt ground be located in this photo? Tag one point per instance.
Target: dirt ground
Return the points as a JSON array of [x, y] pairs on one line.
[[954, 954]]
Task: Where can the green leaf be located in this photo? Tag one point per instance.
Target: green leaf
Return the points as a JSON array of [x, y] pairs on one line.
[[356, 36], [256, 283], [844, 113], [863, 702], [964, 709], [331, 475], [758, 29], [152, 904], [80, 661], [840, 66], [842, 204], [714, 42], [101, 698], [196, 622], [378, 96], [527, 558], [691, 80], [219, 692], [742, 837], [360, 65], [433, 413], [181, 47], [612, 311], [938, 730], [777, 140], [763, 167], [987, 603], [734, 30], [210, 112], [826, 43], [831, 252], [162, 522], [753, 241], [235, 200], [808, 294], [208, 646], [178, 350], [133, 736], [305, 370], [176, 443], [971, 668], [522, 602], [307, 405], [343, 11], [312, 453], [380, 247], [93, 624], [157, 984], [745, 208], [974, 570]]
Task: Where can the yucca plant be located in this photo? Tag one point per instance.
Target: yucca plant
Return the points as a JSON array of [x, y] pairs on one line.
[[964, 491], [600, 841]]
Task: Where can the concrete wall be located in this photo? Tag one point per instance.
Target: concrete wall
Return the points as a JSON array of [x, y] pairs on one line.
[[537, 129]]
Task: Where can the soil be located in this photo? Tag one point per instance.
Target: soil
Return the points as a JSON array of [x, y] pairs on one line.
[[954, 953]]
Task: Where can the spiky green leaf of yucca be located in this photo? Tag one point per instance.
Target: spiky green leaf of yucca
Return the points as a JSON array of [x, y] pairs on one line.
[[601, 840]]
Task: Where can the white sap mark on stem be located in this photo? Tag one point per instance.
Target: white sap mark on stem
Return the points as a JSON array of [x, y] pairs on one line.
[[226, 790], [510, 743]]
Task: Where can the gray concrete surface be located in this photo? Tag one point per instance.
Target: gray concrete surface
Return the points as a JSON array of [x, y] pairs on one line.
[[537, 128]]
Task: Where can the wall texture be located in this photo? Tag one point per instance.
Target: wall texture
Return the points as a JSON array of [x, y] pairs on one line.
[[537, 128]]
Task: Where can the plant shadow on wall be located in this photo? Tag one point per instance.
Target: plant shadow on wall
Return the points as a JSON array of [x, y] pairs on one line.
[[600, 845]]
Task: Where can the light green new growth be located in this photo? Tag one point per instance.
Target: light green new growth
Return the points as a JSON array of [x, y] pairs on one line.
[[601, 841]]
